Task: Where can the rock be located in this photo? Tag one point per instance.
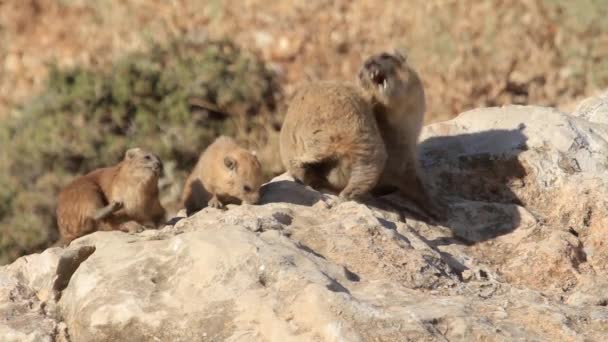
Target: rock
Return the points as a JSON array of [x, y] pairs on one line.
[[536, 181], [19, 321], [594, 109], [521, 257]]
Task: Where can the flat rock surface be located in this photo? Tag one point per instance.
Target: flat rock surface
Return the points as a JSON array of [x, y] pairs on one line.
[[521, 256]]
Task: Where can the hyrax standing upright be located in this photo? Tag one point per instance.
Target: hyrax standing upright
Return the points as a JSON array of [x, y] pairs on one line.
[[355, 139], [120, 197], [398, 103], [225, 173]]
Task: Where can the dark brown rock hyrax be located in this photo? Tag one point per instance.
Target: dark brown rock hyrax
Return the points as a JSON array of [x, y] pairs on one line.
[[358, 138], [398, 103], [121, 197], [225, 173]]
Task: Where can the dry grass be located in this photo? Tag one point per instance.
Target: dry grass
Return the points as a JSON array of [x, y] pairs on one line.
[[470, 53]]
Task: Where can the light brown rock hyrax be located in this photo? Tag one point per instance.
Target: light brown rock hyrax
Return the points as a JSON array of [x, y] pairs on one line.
[[121, 197], [225, 173], [398, 103], [359, 138], [330, 140]]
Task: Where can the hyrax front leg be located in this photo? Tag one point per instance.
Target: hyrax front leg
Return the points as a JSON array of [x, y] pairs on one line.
[[297, 170], [215, 202], [108, 210]]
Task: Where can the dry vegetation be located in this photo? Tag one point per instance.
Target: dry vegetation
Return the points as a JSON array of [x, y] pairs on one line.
[[173, 99], [469, 54]]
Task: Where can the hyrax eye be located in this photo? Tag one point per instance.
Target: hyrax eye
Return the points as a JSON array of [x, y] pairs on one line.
[[247, 188], [148, 157]]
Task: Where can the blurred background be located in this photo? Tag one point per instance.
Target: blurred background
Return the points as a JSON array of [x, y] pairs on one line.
[[81, 81]]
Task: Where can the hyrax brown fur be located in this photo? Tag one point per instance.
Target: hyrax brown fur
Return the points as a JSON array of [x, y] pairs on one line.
[[225, 173], [120, 197], [398, 103], [358, 138], [330, 139]]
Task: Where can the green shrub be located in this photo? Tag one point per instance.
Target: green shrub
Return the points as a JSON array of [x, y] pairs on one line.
[[173, 99]]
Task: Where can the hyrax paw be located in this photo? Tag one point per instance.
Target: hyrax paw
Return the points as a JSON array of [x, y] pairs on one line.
[[297, 173], [322, 203], [132, 227], [115, 205], [215, 203], [348, 195], [334, 201]]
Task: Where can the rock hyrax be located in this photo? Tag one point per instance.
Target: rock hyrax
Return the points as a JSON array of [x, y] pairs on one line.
[[120, 197], [330, 139], [398, 103], [358, 138], [225, 173]]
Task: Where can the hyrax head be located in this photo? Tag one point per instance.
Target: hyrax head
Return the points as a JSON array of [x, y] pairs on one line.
[[244, 173], [385, 76], [143, 163]]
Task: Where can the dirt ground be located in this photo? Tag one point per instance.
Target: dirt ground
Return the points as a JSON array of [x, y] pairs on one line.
[[469, 53]]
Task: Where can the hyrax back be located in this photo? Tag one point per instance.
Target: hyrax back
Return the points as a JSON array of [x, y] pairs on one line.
[[119, 197], [225, 173], [330, 139], [397, 98]]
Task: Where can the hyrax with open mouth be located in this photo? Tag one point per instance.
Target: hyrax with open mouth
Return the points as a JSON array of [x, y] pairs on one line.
[[359, 138]]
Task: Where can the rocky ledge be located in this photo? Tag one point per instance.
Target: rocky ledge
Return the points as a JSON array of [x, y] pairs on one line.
[[522, 256]]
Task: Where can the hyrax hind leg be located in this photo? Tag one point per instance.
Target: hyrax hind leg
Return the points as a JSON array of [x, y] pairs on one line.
[[313, 165], [332, 163], [314, 171], [298, 168], [413, 188], [364, 174]]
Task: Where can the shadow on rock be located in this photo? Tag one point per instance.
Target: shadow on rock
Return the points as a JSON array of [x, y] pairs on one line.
[[288, 191], [475, 175], [481, 166], [471, 175], [473, 222]]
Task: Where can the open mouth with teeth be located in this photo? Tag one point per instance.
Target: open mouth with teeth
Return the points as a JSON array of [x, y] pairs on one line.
[[378, 78]]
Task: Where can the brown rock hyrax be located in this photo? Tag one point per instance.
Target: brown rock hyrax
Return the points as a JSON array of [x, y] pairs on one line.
[[398, 103], [121, 197], [358, 138], [330, 140], [225, 173]]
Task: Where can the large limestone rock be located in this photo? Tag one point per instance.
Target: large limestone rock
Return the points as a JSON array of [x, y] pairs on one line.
[[594, 109], [522, 255]]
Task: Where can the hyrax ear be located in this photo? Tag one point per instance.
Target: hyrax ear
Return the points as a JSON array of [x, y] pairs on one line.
[[132, 152], [401, 55], [230, 162]]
